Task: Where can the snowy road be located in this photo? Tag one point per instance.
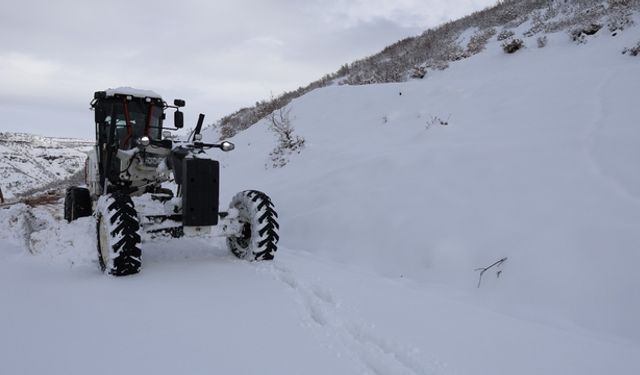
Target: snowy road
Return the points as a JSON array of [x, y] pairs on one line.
[[196, 309]]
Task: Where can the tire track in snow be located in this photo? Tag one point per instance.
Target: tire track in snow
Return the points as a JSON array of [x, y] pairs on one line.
[[378, 355]]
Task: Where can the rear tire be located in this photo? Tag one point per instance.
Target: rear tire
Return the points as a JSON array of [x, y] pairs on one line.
[[259, 238], [118, 232], [77, 203]]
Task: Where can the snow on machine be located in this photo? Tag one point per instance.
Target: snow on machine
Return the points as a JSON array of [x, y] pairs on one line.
[[133, 157]]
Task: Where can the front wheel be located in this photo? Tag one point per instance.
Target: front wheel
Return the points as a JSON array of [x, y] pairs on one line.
[[118, 235], [259, 237]]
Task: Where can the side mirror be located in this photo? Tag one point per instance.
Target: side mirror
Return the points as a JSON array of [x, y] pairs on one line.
[[178, 120], [179, 102], [227, 146]]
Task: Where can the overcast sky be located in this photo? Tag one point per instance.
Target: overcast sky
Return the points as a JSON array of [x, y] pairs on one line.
[[217, 55]]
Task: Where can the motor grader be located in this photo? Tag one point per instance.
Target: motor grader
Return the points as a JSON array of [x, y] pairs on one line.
[[136, 159]]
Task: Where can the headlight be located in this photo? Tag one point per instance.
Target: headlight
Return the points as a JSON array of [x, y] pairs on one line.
[[144, 141]]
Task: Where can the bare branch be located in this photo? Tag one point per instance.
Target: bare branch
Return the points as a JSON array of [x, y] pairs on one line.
[[485, 269]]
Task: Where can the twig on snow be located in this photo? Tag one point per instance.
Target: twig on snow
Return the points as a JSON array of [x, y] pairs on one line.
[[485, 269]]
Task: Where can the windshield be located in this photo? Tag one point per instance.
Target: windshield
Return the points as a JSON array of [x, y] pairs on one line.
[[144, 119]]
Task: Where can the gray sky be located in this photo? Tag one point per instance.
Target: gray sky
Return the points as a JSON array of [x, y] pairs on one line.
[[217, 55]]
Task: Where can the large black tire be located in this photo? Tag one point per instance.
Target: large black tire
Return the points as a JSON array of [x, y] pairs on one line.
[[118, 235], [77, 203], [259, 237]]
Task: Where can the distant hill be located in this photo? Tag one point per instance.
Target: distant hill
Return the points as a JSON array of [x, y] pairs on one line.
[[30, 161]]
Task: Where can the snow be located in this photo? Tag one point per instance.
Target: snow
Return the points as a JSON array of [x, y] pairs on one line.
[[464, 38], [384, 217], [138, 93]]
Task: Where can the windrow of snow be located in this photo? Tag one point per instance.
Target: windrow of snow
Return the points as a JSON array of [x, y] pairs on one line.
[[527, 156], [36, 231]]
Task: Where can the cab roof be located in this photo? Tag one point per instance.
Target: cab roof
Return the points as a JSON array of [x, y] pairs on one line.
[[138, 93]]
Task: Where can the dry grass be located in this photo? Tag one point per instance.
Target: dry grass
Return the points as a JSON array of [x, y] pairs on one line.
[[41, 200]]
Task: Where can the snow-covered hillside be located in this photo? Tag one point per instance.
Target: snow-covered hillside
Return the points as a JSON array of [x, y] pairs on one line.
[[385, 215], [437, 48], [30, 162], [536, 164]]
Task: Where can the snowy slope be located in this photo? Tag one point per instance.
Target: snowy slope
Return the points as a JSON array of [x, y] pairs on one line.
[[29, 161], [384, 217], [536, 164]]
